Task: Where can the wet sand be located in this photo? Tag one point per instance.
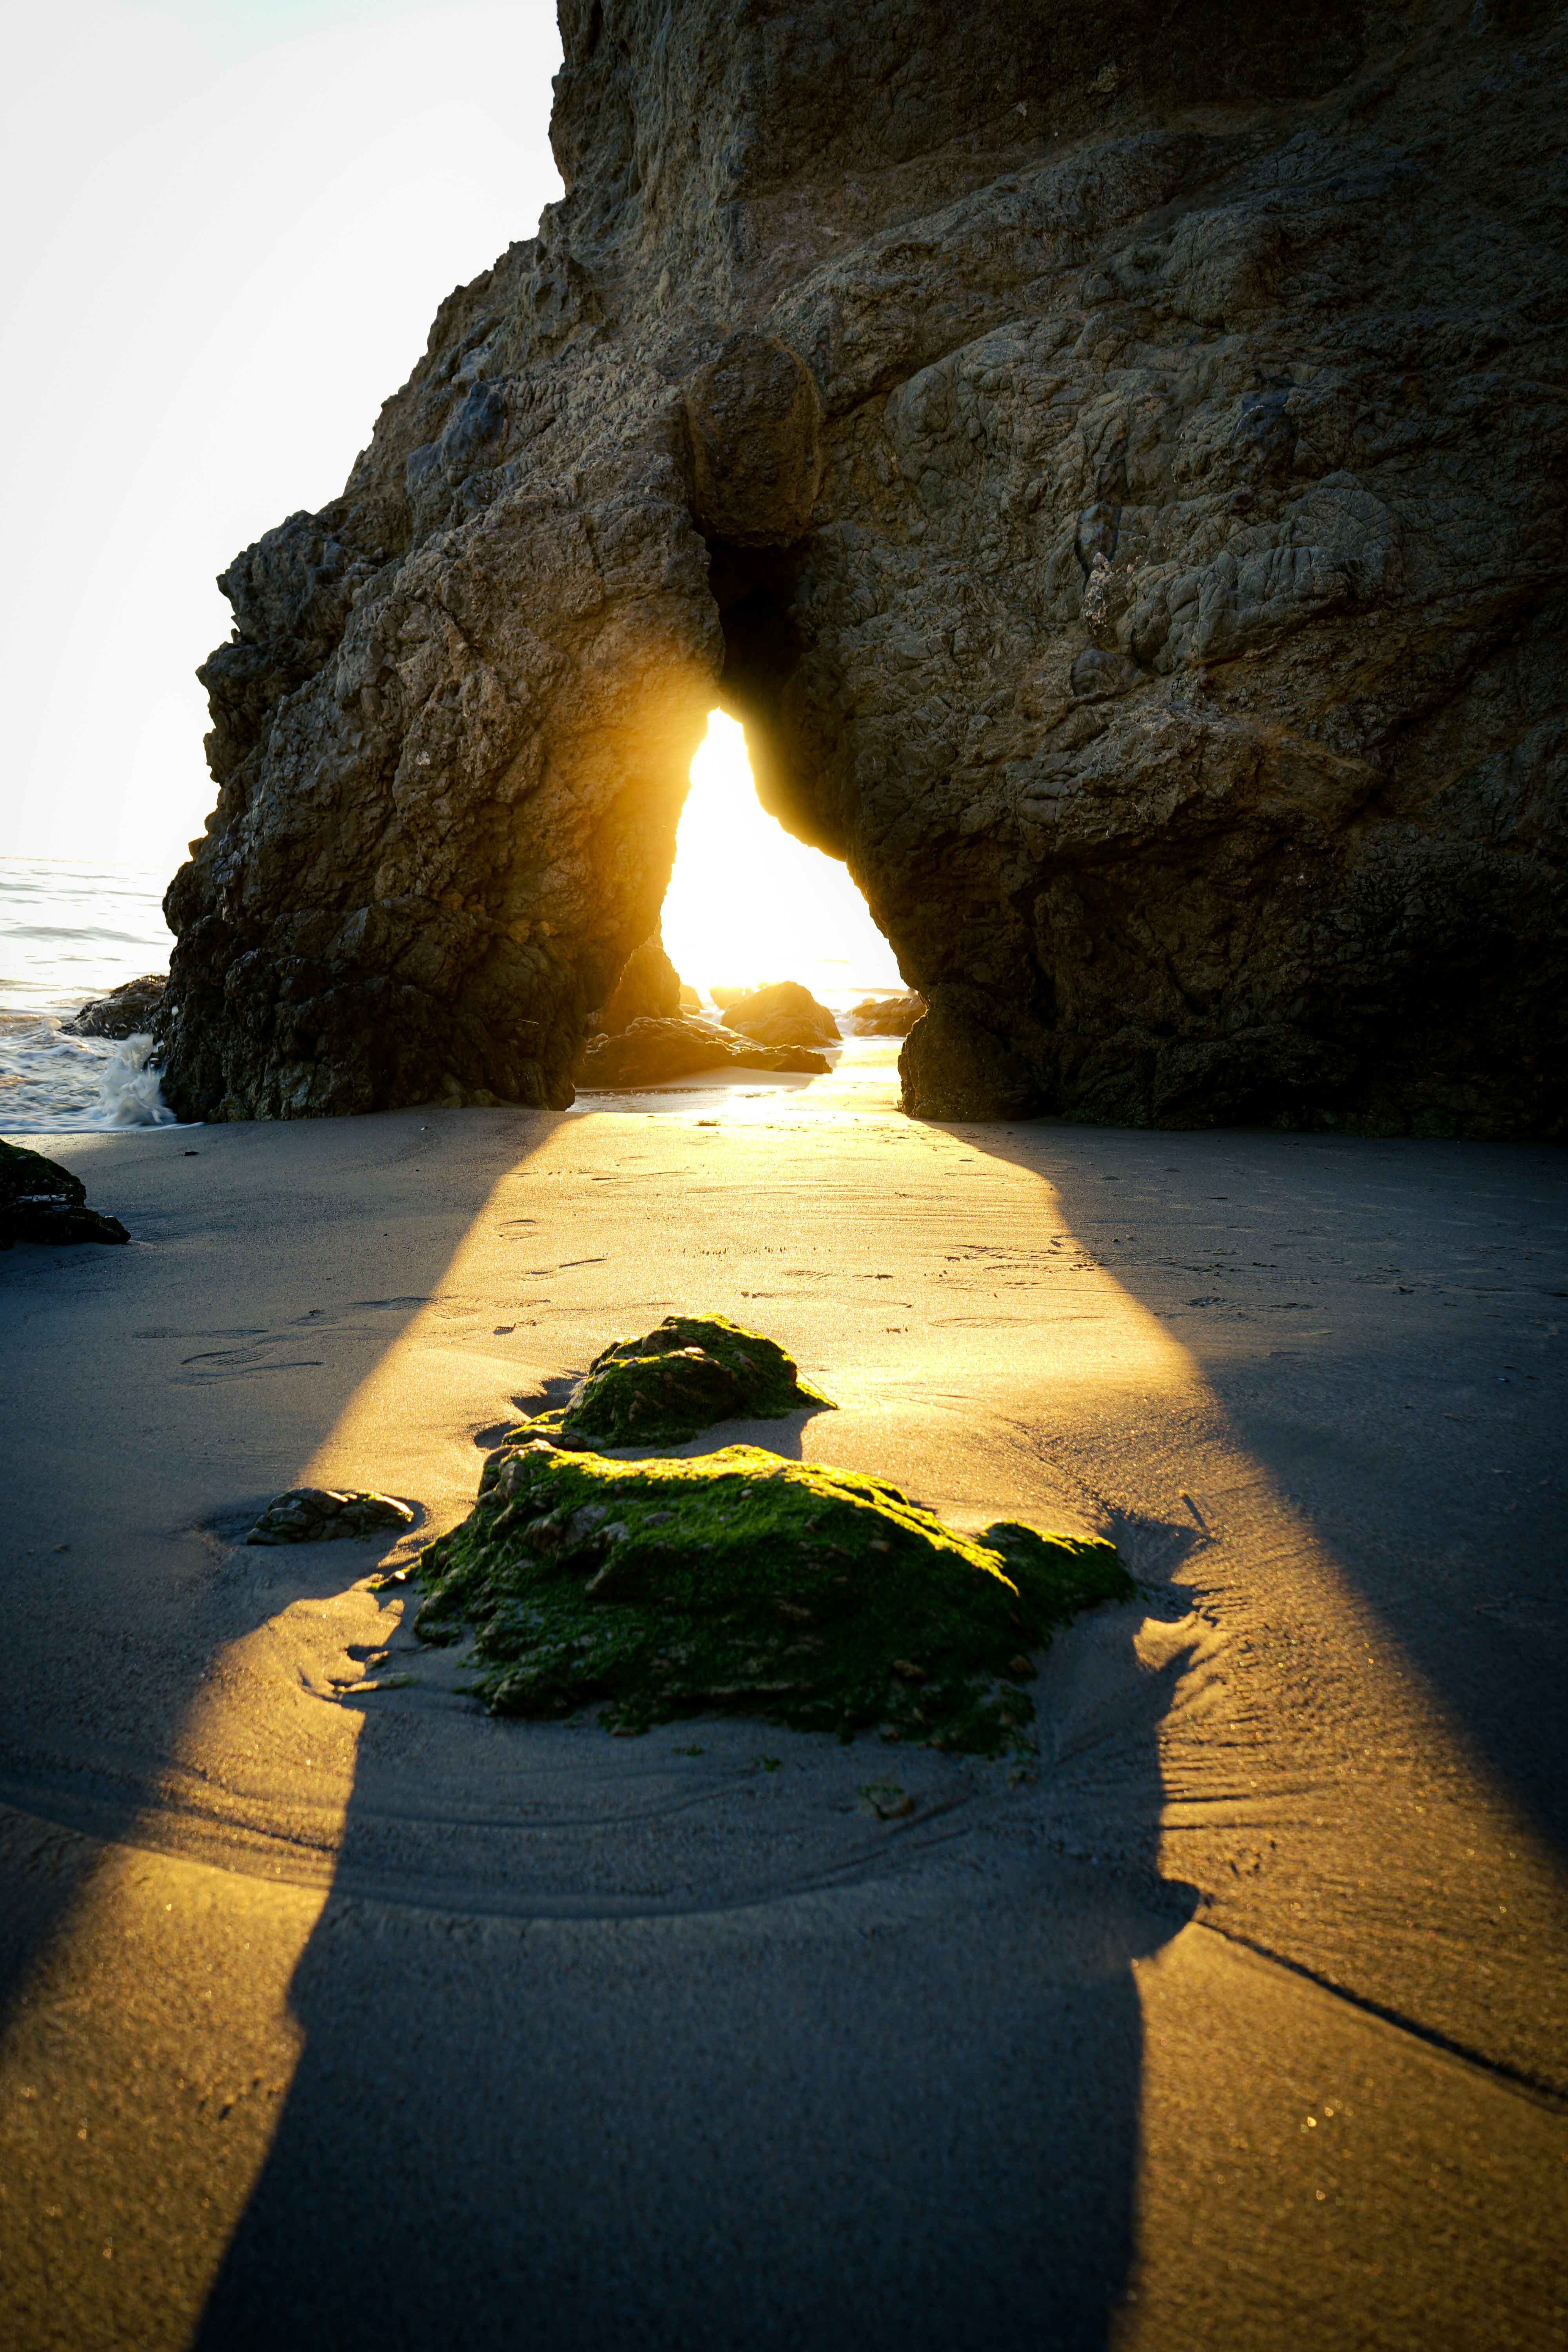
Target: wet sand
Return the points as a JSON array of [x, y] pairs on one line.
[[338, 2014]]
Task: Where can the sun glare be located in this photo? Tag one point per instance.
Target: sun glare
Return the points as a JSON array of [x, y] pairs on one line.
[[747, 902]]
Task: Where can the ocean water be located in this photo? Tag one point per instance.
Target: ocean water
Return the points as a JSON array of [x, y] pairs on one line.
[[69, 932]]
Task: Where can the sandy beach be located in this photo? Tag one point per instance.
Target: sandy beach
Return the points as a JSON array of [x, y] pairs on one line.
[[340, 2014]]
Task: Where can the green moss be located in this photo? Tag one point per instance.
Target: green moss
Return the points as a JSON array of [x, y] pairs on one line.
[[739, 1582], [675, 1382]]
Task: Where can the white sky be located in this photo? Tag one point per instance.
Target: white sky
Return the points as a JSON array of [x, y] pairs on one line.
[[230, 224]]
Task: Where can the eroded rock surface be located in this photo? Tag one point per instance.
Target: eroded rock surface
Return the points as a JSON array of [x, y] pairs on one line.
[[1111, 461]]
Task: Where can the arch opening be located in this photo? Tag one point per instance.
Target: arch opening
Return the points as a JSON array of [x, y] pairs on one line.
[[748, 903]]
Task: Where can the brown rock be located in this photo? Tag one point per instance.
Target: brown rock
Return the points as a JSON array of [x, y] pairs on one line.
[[954, 1067], [782, 1014], [127, 1011], [650, 1053], [756, 420], [887, 1017], [1172, 643], [324, 1514]]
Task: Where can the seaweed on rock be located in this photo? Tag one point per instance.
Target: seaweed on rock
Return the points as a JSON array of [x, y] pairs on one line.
[[737, 1582], [676, 1381]]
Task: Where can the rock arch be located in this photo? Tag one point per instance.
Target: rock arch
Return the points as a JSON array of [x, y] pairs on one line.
[[1105, 459]]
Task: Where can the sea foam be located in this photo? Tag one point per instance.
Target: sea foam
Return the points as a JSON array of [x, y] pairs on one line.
[[55, 1084]]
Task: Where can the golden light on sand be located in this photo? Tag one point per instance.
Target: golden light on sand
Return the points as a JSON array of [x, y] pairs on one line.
[[748, 902]]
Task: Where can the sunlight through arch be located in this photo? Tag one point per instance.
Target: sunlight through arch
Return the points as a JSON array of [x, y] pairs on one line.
[[748, 903]]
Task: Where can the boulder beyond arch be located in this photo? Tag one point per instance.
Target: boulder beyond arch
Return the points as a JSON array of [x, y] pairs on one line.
[[1110, 462]]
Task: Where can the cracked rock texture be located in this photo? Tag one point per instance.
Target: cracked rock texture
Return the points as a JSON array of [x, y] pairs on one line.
[[1113, 462]]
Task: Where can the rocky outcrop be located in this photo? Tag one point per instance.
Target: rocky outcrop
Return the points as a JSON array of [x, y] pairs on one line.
[[647, 990], [41, 1202], [128, 1011], [784, 1014], [1111, 462], [650, 1052], [887, 1017]]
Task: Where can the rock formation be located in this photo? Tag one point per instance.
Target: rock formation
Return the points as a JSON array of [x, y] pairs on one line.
[[887, 1017], [42, 1201], [128, 1011], [647, 990], [785, 1014], [672, 1383], [647, 1052], [320, 1514], [1111, 459]]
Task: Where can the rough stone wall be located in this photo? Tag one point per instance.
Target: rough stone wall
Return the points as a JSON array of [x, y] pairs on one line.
[[1112, 460]]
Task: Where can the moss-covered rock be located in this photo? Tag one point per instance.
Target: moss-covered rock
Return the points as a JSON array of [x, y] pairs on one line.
[[739, 1582], [42, 1201], [693, 1371]]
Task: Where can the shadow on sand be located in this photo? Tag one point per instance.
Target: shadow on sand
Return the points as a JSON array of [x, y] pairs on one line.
[[1417, 1422], [604, 2046], [159, 1395]]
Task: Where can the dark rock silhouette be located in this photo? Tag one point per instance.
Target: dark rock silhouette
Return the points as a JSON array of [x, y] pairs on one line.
[[646, 1053], [42, 1201], [648, 988], [1110, 460], [785, 1014]]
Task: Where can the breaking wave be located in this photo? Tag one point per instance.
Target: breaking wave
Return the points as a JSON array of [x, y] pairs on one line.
[[52, 1084]]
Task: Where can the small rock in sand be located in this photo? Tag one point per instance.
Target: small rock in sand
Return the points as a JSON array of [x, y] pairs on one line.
[[317, 1514], [692, 1371], [648, 988], [741, 1582]]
